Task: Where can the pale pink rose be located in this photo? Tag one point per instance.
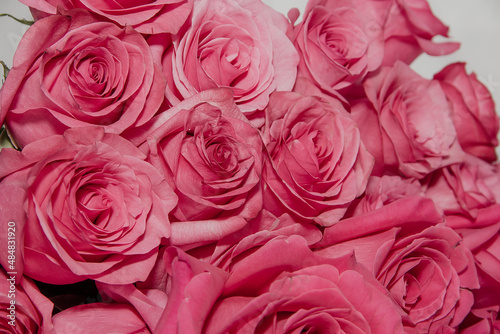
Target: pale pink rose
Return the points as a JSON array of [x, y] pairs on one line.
[[409, 29], [426, 269], [23, 309], [74, 71], [473, 111], [212, 157], [284, 287], [87, 205], [406, 124], [240, 44], [316, 162], [100, 318], [339, 41], [147, 17]]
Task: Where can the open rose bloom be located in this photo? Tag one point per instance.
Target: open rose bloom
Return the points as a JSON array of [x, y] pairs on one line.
[[214, 166]]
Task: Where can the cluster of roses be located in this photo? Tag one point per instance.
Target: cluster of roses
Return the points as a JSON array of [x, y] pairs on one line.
[[210, 166]]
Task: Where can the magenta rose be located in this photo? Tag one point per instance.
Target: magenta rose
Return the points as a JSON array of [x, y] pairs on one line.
[[406, 123], [284, 287], [212, 157], [428, 271], [473, 111], [88, 206], [316, 161], [99, 318], [237, 44], [73, 71], [409, 29], [339, 41], [147, 17], [23, 309]]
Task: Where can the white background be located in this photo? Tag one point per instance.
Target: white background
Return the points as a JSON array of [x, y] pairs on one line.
[[475, 24]]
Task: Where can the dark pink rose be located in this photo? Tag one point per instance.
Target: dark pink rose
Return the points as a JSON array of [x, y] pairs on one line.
[[99, 318], [239, 44], [409, 29], [212, 157], [473, 111], [88, 206], [284, 287], [316, 161], [73, 71], [339, 41], [406, 123], [147, 17], [177, 296], [23, 309], [426, 269]]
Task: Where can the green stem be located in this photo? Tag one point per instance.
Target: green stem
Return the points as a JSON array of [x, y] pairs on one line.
[[23, 21]]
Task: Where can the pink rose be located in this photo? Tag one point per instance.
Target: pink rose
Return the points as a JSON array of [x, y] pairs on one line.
[[99, 318], [426, 269], [383, 190], [284, 287], [23, 308], [409, 29], [237, 44], [178, 295], [406, 123], [317, 163], [339, 41], [88, 206], [473, 111], [212, 157], [147, 17], [73, 71]]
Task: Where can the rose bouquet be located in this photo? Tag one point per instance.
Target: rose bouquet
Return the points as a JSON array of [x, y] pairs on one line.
[[213, 166]]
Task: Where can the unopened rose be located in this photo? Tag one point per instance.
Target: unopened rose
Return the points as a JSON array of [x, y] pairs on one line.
[[473, 111], [316, 162], [239, 44], [212, 156], [339, 41], [23, 309], [74, 71], [409, 29], [147, 17], [89, 206], [406, 123]]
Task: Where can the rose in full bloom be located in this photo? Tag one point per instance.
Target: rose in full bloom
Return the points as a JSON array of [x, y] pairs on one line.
[[339, 41], [316, 162], [74, 71], [88, 206], [23, 309], [473, 111], [405, 123], [428, 271], [147, 17], [409, 29], [104, 318], [239, 44], [212, 157], [284, 287]]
